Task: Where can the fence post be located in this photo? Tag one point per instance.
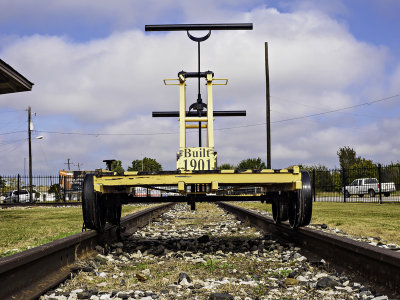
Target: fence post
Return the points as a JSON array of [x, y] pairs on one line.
[[58, 195], [344, 184], [313, 173], [18, 187], [380, 182], [65, 189]]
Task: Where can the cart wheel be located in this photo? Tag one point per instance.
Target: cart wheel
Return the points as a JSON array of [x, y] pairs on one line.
[[93, 210], [280, 208], [300, 203]]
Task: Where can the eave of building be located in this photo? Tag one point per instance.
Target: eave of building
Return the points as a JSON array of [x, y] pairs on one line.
[[11, 81]]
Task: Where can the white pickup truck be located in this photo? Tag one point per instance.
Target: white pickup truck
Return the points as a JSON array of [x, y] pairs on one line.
[[21, 196], [368, 186]]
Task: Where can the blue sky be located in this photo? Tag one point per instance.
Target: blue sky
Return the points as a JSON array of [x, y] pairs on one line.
[[98, 76]]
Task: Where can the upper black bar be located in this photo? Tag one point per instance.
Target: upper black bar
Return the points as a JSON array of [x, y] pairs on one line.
[[216, 113], [186, 27]]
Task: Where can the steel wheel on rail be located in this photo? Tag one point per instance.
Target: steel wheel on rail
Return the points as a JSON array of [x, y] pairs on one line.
[[300, 203], [94, 215], [280, 208]]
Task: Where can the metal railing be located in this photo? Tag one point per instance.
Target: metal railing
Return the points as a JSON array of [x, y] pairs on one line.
[[15, 188], [377, 184], [329, 185]]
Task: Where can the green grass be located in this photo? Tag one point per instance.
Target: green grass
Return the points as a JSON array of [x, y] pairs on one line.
[[359, 219], [24, 228]]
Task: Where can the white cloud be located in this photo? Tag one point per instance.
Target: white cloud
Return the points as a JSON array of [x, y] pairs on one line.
[[111, 85]]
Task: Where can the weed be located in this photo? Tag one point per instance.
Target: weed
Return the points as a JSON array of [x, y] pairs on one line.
[[260, 290], [211, 264], [281, 273]]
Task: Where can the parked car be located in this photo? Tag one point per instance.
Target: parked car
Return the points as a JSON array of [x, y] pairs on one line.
[[21, 196], [368, 186]]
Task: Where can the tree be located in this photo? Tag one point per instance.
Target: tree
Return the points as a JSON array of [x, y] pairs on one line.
[[363, 168], [251, 163], [323, 177], [226, 167], [391, 173], [2, 182], [116, 166], [56, 190], [347, 157], [146, 164]]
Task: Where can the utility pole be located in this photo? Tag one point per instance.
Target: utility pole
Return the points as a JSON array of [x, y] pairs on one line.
[[79, 166], [30, 155], [68, 163], [268, 116]]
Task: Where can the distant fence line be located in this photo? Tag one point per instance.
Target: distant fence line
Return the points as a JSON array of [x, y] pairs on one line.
[[329, 185], [13, 188]]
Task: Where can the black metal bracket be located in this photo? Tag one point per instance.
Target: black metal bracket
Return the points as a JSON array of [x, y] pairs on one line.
[[199, 39], [109, 163], [186, 27], [216, 113]]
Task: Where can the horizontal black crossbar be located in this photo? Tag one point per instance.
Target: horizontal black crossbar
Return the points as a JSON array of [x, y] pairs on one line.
[[217, 113], [198, 198], [184, 27]]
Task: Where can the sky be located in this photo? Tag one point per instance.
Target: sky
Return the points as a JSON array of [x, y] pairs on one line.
[[334, 70]]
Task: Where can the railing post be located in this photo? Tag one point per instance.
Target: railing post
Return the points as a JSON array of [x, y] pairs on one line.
[[313, 172], [58, 195], [344, 184], [380, 182], [65, 189], [18, 187]]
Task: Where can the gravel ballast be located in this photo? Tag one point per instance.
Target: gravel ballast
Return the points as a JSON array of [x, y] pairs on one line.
[[205, 254]]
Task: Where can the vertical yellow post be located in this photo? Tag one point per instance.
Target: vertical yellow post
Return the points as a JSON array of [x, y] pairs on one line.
[[210, 113], [182, 112]]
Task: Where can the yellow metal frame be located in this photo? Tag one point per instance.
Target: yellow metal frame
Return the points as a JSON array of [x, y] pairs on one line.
[[183, 119], [272, 181], [186, 123]]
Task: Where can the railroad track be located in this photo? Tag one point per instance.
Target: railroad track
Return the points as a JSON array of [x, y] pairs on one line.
[[29, 274], [49, 204], [160, 262], [378, 265]]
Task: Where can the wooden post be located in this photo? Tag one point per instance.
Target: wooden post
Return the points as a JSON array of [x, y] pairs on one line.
[[268, 117]]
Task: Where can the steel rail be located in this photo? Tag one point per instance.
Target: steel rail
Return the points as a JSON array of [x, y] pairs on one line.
[[378, 265], [29, 274], [50, 204]]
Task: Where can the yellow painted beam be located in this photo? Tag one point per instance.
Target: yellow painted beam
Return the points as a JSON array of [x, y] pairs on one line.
[[193, 126], [214, 186], [245, 178], [196, 119], [210, 112], [182, 113]]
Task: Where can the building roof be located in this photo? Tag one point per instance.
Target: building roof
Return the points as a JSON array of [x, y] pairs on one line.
[[11, 81]]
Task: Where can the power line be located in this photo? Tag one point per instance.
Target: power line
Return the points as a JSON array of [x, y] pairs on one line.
[[104, 134], [12, 132], [217, 129], [316, 114], [337, 110]]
